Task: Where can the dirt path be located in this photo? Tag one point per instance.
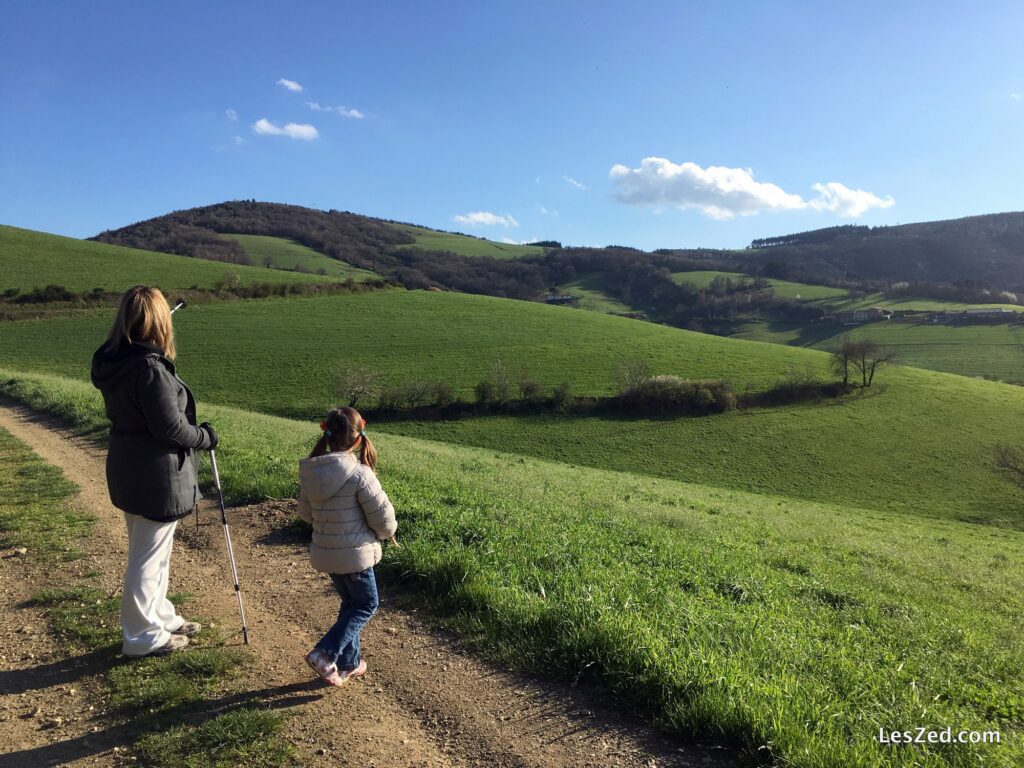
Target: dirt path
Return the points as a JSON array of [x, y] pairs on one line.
[[424, 701]]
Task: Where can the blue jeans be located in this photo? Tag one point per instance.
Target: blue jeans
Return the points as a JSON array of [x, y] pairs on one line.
[[358, 604]]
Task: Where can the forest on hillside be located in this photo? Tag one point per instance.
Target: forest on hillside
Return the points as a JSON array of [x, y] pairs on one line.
[[976, 259], [982, 252]]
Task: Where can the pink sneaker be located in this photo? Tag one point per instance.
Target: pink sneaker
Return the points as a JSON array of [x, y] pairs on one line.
[[326, 671], [357, 672]]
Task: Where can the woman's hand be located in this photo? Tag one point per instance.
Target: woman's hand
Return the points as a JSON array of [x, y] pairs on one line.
[[214, 437]]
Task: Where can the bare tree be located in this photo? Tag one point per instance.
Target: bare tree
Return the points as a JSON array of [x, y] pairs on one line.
[[631, 375], [355, 383], [882, 357], [868, 357], [843, 357], [500, 379]]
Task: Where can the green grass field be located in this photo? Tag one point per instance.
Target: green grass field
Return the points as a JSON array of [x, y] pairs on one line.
[[836, 299], [281, 354], [919, 441], [282, 254], [908, 303], [464, 245], [982, 351], [782, 288], [796, 629], [31, 259], [994, 351], [592, 296]]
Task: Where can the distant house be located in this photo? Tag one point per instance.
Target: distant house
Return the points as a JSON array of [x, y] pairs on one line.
[[865, 315]]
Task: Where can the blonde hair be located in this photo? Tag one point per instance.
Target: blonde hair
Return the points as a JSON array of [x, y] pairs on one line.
[[143, 318]]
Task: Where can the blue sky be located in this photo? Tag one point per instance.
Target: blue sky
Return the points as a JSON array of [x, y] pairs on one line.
[[652, 124]]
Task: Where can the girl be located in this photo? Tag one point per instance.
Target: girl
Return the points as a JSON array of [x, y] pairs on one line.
[[350, 513], [151, 462]]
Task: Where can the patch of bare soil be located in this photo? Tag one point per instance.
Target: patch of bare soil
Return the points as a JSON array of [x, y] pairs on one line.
[[424, 701]]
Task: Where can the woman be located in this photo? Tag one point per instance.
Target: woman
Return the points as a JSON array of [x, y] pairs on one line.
[[151, 462]]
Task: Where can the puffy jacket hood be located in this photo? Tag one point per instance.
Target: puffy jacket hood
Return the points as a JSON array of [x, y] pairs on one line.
[[323, 476], [110, 366]]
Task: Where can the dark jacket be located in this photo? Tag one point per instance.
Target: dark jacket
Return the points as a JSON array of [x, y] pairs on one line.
[[152, 459]]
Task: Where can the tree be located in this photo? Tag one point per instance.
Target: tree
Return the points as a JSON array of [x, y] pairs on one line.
[[355, 383], [631, 375], [868, 357], [843, 356], [500, 380]]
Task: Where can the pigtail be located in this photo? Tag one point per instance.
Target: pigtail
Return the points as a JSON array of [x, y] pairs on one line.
[[321, 447], [368, 454], [331, 436]]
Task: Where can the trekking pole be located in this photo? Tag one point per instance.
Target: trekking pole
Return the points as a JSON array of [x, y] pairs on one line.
[[227, 538]]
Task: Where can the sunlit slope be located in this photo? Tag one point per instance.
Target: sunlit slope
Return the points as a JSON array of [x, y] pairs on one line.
[[918, 441], [784, 288], [464, 245], [280, 355], [30, 259], [796, 629], [281, 253], [988, 351]]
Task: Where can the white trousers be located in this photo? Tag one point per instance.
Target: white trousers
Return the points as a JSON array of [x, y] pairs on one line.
[[147, 616]]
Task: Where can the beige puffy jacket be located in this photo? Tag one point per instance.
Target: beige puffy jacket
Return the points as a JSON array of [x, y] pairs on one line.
[[349, 511]]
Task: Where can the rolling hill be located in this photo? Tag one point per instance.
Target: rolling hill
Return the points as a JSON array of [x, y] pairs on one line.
[[789, 578], [464, 245], [279, 253], [31, 259], [919, 441]]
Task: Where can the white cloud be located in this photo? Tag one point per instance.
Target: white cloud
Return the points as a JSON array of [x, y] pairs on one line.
[[237, 141], [724, 193], [355, 114], [302, 131], [485, 219], [575, 183], [546, 211], [291, 85], [232, 115], [1017, 96], [850, 203]]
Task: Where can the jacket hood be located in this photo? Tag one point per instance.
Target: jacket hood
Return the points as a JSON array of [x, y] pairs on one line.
[[110, 366], [322, 476]]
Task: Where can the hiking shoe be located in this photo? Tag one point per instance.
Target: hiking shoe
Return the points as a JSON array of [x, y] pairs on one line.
[[188, 629], [325, 669], [175, 643]]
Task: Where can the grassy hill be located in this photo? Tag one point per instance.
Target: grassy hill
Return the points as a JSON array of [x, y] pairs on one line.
[[796, 629], [31, 259], [920, 441], [590, 292], [994, 351], [464, 245], [280, 253], [783, 288]]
